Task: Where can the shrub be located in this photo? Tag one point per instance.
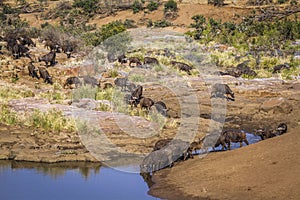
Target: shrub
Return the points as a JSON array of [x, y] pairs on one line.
[[152, 6], [137, 6], [162, 23], [113, 73], [85, 91], [92, 38], [106, 94], [88, 6], [112, 28], [170, 5]]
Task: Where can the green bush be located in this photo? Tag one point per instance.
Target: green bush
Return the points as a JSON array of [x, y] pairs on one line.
[[137, 6], [170, 5], [152, 6], [88, 6], [162, 23], [92, 38], [10, 10], [112, 28]]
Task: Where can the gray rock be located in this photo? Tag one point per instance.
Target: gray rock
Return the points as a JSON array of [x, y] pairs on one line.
[[276, 105]]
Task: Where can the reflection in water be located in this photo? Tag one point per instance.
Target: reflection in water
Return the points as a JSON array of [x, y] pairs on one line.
[[58, 170], [35, 181]]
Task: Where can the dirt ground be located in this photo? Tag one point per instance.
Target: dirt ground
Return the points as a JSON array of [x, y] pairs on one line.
[[266, 170]]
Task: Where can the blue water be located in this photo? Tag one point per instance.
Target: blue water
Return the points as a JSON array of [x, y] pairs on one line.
[[46, 183]]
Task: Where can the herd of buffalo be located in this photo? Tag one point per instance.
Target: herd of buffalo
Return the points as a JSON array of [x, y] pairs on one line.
[[18, 45]]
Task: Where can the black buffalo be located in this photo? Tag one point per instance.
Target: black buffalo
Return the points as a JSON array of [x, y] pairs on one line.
[[25, 40], [53, 46], [68, 49], [121, 82], [137, 93], [150, 61], [44, 74], [161, 108], [122, 59], [134, 60], [220, 90], [48, 58], [72, 81], [33, 70], [182, 66], [89, 80], [278, 68], [146, 103], [232, 136]]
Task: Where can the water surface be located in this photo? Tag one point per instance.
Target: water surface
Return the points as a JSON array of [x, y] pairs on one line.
[[29, 181]]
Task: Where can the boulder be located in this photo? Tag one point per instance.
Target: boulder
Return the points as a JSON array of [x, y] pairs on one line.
[[276, 105]]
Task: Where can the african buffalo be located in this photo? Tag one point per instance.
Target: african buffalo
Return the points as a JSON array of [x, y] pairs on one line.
[[278, 68], [67, 49], [219, 90], [194, 146], [121, 82], [161, 108], [44, 74], [134, 60], [146, 103], [182, 66], [150, 61], [281, 129], [234, 136], [53, 46], [33, 70], [49, 57], [265, 133], [25, 40], [122, 59], [138, 92], [19, 50], [72, 81], [88, 80]]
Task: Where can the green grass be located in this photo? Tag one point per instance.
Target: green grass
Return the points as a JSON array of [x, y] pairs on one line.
[[137, 78], [7, 93], [52, 120], [7, 116], [85, 91]]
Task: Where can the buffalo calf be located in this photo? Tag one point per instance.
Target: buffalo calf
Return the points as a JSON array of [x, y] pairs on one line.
[[146, 103]]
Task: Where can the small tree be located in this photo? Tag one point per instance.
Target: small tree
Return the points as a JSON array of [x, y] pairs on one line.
[[152, 6], [171, 5], [137, 6], [88, 6]]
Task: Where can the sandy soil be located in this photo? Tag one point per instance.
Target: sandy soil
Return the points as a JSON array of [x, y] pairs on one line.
[[265, 170]]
